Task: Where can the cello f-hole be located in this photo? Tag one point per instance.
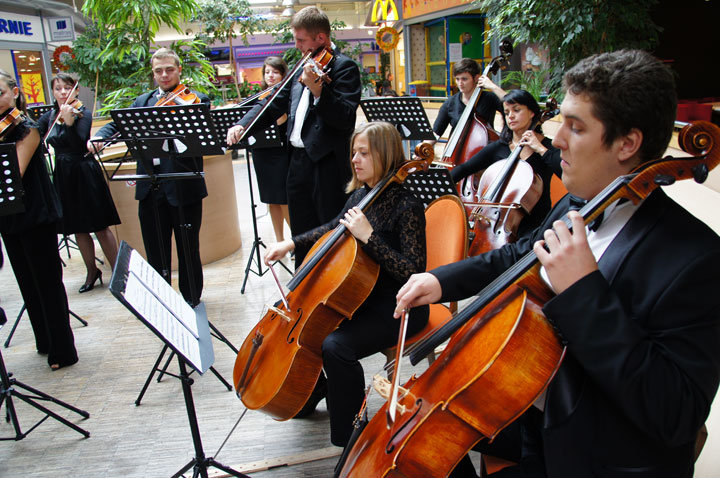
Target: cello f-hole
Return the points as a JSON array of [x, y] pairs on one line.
[[290, 339], [390, 447]]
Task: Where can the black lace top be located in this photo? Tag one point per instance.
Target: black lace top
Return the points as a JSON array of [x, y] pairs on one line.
[[41, 203], [397, 243], [67, 139]]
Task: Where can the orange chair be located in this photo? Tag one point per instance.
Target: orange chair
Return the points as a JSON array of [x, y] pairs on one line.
[[557, 189], [446, 236]]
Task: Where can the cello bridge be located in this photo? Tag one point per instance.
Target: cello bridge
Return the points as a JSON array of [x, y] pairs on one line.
[[383, 387], [279, 312]]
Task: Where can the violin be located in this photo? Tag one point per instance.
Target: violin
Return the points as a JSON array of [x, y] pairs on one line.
[[502, 352], [472, 133], [8, 122], [76, 105], [280, 360], [320, 63], [181, 95], [508, 190]]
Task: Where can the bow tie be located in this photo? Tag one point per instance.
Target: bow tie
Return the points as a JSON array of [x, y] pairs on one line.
[[577, 203]]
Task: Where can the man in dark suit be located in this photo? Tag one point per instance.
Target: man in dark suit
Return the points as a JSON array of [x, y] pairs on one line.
[[637, 303], [321, 119], [178, 202]]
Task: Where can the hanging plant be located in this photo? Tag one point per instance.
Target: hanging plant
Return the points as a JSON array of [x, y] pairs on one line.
[[62, 55]]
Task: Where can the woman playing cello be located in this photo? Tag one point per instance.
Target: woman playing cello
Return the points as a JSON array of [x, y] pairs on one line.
[[521, 109], [392, 232]]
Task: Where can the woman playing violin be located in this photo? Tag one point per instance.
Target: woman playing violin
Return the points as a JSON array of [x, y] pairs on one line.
[[271, 164], [30, 237], [520, 109], [85, 197], [392, 232]]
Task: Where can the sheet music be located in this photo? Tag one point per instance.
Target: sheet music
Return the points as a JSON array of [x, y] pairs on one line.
[[146, 304], [163, 292]]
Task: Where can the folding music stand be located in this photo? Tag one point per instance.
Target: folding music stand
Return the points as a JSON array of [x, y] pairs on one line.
[[406, 113], [225, 119], [11, 194], [178, 131], [183, 329], [431, 184]]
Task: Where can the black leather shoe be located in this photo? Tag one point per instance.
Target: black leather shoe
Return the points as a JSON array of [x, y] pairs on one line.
[[91, 285], [318, 393]]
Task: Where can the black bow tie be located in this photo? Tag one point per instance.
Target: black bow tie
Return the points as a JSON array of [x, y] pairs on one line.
[[577, 203]]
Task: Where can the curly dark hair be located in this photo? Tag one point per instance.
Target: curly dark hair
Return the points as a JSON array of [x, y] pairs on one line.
[[628, 89]]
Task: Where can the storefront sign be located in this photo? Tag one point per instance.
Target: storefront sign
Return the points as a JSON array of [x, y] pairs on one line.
[[23, 28], [61, 28], [415, 8]]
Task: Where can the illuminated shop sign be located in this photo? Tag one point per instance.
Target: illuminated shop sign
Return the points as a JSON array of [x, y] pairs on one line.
[[25, 28]]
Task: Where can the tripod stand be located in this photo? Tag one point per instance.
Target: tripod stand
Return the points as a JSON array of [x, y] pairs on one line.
[[19, 316], [257, 241], [10, 388]]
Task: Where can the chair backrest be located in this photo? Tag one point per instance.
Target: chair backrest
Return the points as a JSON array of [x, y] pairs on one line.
[[446, 231], [557, 189]]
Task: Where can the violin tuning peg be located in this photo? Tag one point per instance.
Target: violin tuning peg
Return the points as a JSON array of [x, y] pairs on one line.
[[700, 172], [664, 180]]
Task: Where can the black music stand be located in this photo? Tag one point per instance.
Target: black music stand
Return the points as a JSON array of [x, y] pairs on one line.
[[224, 119], [431, 184], [406, 113], [183, 329], [11, 193], [184, 131]]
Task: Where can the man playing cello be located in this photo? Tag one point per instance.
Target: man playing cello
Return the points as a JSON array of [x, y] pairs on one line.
[[637, 303]]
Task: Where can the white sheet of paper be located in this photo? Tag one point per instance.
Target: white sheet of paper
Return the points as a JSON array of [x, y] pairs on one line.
[[165, 293]]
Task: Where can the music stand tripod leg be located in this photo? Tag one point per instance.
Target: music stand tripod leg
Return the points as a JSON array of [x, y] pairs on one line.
[[200, 462], [150, 376], [19, 316]]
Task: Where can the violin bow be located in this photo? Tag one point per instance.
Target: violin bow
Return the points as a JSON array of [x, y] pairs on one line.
[[58, 115]]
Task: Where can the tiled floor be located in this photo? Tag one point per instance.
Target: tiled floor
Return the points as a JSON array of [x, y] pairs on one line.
[[153, 439]]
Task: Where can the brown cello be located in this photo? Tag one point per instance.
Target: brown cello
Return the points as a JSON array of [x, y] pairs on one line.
[[472, 133], [502, 354], [508, 190], [279, 362]]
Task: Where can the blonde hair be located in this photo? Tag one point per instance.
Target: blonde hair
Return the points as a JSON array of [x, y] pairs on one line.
[[312, 20], [164, 53], [385, 150]]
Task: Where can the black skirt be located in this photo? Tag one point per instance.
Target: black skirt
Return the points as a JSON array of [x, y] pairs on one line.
[[271, 169], [86, 201]]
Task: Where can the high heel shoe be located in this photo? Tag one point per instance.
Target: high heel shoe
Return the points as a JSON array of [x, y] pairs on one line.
[[91, 285]]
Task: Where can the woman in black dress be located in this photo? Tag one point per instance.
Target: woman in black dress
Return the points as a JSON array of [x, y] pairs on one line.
[[30, 237], [392, 232], [86, 201], [521, 109], [271, 164]]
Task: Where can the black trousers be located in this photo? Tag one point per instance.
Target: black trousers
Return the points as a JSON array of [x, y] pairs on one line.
[[316, 192], [371, 330], [156, 233], [36, 263]]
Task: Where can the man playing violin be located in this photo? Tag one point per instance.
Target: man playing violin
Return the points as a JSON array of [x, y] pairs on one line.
[[321, 119], [178, 202], [637, 303]]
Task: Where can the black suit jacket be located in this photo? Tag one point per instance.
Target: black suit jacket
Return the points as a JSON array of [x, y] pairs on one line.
[[329, 123], [643, 339], [178, 192]]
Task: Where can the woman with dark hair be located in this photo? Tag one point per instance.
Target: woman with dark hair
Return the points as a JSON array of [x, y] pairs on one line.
[[520, 109], [271, 164], [31, 237], [85, 197]]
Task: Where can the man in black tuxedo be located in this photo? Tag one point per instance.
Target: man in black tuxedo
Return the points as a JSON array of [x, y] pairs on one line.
[[637, 301], [321, 119], [178, 202]]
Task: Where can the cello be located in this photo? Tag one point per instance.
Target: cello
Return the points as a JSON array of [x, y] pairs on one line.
[[279, 362], [507, 191], [471, 133], [502, 351]]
